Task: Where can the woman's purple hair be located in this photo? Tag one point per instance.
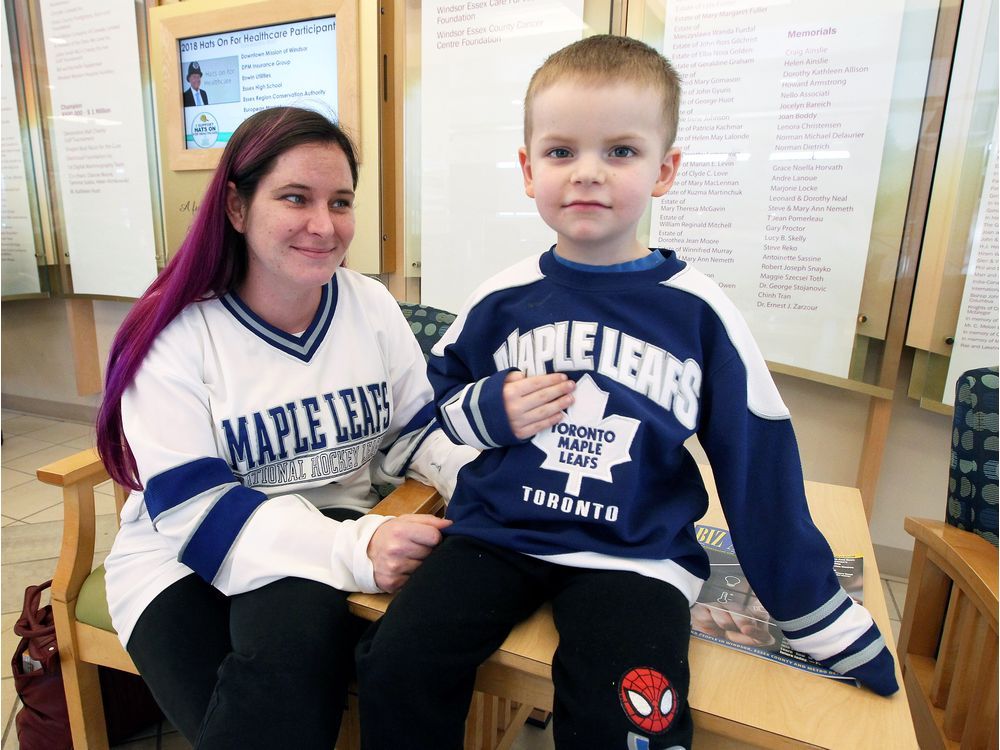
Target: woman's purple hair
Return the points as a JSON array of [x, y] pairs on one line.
[[211, 261]]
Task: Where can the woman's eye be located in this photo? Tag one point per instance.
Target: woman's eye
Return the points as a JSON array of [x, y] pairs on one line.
[[341, 204], [622, 152], [294, 199]]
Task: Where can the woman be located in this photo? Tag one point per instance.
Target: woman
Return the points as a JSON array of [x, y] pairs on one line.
[[253, 393]]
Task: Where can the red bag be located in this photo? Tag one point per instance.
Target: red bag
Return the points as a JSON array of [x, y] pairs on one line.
[[43, 723]]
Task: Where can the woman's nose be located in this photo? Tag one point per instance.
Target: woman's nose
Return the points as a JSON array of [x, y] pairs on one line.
[[320, 222]]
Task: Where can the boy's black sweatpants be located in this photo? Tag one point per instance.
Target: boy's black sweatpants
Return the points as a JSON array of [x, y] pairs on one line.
[[620, 671]]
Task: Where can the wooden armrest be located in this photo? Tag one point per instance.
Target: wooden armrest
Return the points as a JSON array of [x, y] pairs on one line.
[[85, 465], [77, 475], [965, 557], [410, 497]]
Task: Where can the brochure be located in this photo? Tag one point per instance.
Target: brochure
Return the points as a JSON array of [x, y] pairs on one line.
[[728, 612]]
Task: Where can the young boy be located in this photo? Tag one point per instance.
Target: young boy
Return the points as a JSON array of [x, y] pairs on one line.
[[580, 373]]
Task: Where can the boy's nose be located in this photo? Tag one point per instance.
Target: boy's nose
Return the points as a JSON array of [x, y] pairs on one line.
[[588, 170]]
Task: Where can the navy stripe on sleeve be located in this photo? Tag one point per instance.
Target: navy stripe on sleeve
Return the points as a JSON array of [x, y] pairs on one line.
[[207, 548], [416, 446], [176, 486], [419, 420]]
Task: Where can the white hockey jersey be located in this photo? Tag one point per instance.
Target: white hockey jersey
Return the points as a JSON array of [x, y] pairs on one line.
[[241, 432]]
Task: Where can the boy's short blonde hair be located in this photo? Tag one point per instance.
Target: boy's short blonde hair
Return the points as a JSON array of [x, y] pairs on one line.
[[602, 59]]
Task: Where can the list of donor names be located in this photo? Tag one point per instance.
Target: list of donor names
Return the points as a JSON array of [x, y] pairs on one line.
[[782, 124], [475, 23]]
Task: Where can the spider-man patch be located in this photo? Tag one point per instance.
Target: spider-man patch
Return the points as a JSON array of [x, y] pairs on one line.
[[649, 700]]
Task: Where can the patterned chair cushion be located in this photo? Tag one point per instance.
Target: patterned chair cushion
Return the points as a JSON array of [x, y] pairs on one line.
[[427, 323], [972, 483]]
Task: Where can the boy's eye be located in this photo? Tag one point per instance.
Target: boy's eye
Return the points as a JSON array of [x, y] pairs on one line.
[[622, 152], [559, 153]]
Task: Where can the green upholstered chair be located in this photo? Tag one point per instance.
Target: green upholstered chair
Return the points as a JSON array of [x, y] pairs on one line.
[[84, 632]]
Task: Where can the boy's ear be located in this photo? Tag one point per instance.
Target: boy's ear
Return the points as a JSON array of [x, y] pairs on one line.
[[522, 157], [235, 208], [668, 172]]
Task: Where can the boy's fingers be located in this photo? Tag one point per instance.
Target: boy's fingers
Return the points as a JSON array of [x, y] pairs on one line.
[[523, 386], [534, 397], [538, 424]]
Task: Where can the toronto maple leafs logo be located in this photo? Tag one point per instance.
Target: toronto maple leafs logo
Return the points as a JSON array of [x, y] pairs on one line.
[[586, 443]]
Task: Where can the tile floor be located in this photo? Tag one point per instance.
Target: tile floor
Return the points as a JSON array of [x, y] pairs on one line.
[[31, 532]]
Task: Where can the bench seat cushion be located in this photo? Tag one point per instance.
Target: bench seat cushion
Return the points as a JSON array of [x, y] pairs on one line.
[[92, 604]]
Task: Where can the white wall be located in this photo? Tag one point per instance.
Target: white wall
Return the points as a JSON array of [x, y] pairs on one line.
[[37, 370]]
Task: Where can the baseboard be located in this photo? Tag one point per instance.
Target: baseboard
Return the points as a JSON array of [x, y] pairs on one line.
[[45, 408], [893, 561]]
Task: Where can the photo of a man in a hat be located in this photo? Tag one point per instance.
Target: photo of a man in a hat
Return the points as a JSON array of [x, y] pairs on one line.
[[194, 96]]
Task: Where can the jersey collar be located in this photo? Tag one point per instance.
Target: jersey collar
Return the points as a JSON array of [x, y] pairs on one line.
[[303, 346]]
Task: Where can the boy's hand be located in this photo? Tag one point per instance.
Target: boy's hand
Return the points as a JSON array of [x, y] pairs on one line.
[[534, 403], [398, 546]]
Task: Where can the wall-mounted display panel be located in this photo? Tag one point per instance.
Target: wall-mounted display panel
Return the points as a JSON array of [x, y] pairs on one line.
[[252, 69], [953, 323], [782, 128], [19, 247], [773, 90], [782, 125], [976, 343], [799, 126], [219, 62], [475, 60], [99, 151]]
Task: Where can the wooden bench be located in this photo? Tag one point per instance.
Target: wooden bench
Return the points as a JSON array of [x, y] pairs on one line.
[[737, 700]]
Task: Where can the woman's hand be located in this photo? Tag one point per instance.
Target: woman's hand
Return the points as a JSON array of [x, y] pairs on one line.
[[534, 403], [399, 545]]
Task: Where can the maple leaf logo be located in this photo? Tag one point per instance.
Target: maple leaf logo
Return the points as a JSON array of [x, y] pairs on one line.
[[586, 443]]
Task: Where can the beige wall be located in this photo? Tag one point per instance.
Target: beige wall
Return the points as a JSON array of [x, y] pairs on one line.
[[37, 371]]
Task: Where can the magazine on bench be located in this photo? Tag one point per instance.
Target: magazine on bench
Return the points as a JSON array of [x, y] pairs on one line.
[[728, 612]]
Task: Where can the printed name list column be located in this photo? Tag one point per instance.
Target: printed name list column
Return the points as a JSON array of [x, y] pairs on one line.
[[782, 125], [476, 60], [976, 336], [99, 141], [18, 267]]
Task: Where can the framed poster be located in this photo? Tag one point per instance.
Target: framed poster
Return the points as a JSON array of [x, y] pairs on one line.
[[18, 261], [99, 147], [222, 61]]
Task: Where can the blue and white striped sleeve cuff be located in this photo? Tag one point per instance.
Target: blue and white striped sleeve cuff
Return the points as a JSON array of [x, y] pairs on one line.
[[842, 636], [475, 414]]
